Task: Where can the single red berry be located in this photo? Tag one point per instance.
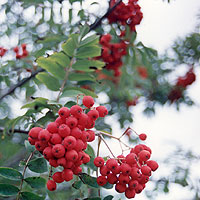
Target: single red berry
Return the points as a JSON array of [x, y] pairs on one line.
[[53, 127], [23, 46], [98, 161], [104, 170], [71, 155], [120, 187], [64, 112], [86, 158], [57, 177], [51, 185], [124, 179], [111, 163], [146, 148], [48, 153], [16, 49], [131, 159], [146, 170], [69, 142], [64, 130], [133, 184], [33, 133], [76, 111], [102, 111], [40, 146], [135, 173], [60, 120], [116, 170], [44, 135], [112, 178], [143, 136], [67, 174], [90, 123], [137, 149], [58, 150], [82, 120], [88, 101], [144, 155], [71, 122], [125, 169], [138, 189], [93, 114], [76, 132], [152, 164], [55, 139], [85, 136], [77, 170], [62, 161], [69, 165], [101, 180], [53, 162], [32, 141], [91, 135], [79, 145], [130, 193]]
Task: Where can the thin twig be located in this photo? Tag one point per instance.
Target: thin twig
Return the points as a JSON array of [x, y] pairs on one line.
[[23, 174], [14, 131], [107, 145]]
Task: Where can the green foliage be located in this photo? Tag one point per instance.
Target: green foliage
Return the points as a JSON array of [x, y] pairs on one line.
[[36, 182], [38, 165], [8, 190], [10, 173], [30, 196]]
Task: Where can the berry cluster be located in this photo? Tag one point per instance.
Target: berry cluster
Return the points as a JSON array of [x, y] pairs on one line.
[[128, 173], [2, 51], [21, 51], [126, 14], [112, 53], [181, 85], [63, 142]]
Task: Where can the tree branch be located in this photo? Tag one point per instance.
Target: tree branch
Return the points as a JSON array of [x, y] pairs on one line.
[[20, 83], [14, 131], [92, 27]]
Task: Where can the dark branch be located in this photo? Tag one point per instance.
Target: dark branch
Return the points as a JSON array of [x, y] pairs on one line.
[[92, 27], [20, 83], [14, 131], [98, 21]]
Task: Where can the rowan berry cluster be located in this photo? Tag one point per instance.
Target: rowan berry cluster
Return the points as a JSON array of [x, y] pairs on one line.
[[112, 53], [20, 51], [63, 142], [128, 173], [181, 85], [126, 14]]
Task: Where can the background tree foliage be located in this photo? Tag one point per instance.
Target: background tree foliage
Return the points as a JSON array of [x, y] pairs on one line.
[[61, 42]]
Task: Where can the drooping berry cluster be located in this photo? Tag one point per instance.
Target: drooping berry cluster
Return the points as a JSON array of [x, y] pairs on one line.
[[126, 14], [128, 173], [63, 142], [112, 53], [181, 84]]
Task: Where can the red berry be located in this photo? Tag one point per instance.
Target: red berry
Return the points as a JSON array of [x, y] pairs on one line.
[[64, 130], [44, 135], [137, 149], [91, 135], [53, 162], [120, 187], [32, 141], [58, 150], [144, 155], [102, 111], [53, 127], [64, 112], [56, 139], [98, 161], [71, 122], [76, 132], [125, 169], [143, 136], [69, 142], [48, 153], [112, 178], [93, 114], [90, 123], [16, 49], [76, 111], [131, 159], [79, 145], [104, 170], [33, 133], [62, 161], [101, 180], [67, 174], [139, 189], [133, 184], [82, 120], [124, 179], [146, 170], [57, 177], [152, 164], [51, 185], [88, 101], [40, 146], [130, 193], [111, 164], [60, 120], [71, 155]]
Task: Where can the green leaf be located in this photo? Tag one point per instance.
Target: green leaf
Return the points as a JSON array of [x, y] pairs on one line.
[[70, 104], [10, 173], [70, 93], [77, 184], [108, 186], [30, 196], [90, 151], [70, 90], [40, 101], [88, 51], [84, 30], [109, 197], [36, 182], [81, 77], [29, 147], [88, 65], [52, 67], [91, 40], [8, 190], [60, 58], [89, 180], [38, 165], [51, 82], [70, 46]]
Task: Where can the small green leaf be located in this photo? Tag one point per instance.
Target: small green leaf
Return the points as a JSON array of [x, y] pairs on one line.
[[36, 182], [70, 104], [10, 173], [30, 196], [108, 186], [81, 77], [89, 180], [60, 58], [91, 40], [51, 82], [70, 93], [38, 165], [90, 151], [88, 51], [84, 30], [109, 197], [8, 190], [80, 91], [70, 46], [52, 67], [77, 184], [40, 101]]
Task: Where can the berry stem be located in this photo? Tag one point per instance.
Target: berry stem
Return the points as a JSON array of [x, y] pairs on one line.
[[23, 174], [50, 172]]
